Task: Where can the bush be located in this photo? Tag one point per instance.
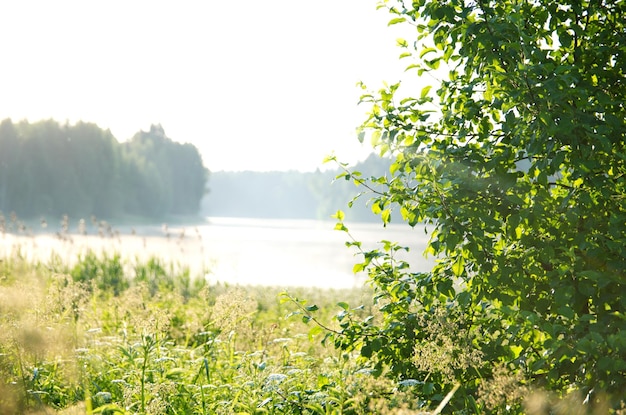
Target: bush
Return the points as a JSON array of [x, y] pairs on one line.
[[515, 164]]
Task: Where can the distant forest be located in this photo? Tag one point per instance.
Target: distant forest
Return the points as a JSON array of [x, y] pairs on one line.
[[48, 169], [291, 194]]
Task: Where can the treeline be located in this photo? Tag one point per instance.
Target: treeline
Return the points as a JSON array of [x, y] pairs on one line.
[[291, 194], [49, 169]]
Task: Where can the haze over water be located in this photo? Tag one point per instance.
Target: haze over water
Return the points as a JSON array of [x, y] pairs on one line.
[[270, 252]]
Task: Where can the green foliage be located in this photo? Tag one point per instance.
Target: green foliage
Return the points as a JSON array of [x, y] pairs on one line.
[[516, 163], [106, 273], [81, 170], [166, 177], [109, 275], [165, 277], [69, 347]]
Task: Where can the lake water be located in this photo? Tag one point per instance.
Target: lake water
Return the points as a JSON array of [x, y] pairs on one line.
[[242, 251]]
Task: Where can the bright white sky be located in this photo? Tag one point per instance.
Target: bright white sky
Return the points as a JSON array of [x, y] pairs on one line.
[[255, 85]]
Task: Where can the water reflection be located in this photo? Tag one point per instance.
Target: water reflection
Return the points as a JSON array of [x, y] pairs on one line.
[[241, 251]]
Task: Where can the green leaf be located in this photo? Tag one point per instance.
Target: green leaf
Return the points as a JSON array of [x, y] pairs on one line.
[[329, 159], [396, 21], [425, 91], [433, 63], [488, 95], [464, 298], [314, 331], [386, 215], [516, 351], [426, 51], [376, 208], [358, 268], [376, 344], [339, 215], [375, 139], [566, 312], [458, 267], [366, 351]]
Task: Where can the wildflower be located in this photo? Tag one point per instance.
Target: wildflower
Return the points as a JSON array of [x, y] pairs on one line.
[[104, 397]]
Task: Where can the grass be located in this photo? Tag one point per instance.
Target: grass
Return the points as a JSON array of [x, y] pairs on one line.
[[104, 337], [100, 334]]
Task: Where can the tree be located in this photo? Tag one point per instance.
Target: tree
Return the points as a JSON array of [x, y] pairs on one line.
[[81, 170], [517, 163], [9, 154], [167, 177], [96, 157], [189, 177]]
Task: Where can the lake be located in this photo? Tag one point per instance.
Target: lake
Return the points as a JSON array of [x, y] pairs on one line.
[[240, 251]]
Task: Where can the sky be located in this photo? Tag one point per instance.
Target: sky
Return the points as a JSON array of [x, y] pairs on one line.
[[254, 85]]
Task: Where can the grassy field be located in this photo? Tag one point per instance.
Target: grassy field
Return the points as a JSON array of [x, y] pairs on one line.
[[107, 334], [108, 337]]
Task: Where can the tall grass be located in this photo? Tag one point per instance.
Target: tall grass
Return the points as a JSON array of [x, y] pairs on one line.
[[103, 335], [97, 338]]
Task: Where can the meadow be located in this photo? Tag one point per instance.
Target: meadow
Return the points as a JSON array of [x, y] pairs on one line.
[[106, 335], [98, 332]]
